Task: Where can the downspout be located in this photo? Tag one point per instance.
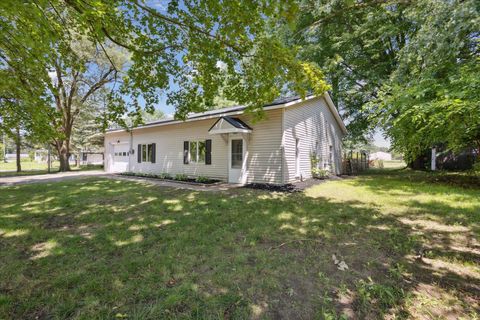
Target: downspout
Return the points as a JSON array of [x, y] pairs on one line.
[[283, 147], [130, 152]]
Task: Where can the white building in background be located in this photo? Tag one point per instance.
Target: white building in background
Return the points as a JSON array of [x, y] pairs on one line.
[[13, 156], [380, 155]]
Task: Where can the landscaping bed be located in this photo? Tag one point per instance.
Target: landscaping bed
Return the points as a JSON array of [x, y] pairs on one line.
[[273, 187], [182, 178]]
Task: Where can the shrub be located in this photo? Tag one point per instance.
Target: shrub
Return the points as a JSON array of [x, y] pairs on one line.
[[378, 163], [164, 175], [318, 173], [202, 179], [181, 177], [476, 168]]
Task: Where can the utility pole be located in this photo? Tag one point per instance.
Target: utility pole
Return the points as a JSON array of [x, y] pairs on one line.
[[48, 159], [4, 149], [433, 162]]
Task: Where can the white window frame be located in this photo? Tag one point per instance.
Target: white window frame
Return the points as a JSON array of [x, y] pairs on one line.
[[148, 152], [196, 158]]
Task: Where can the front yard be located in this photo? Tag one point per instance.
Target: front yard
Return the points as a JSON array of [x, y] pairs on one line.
[[8, 169], [101, 248]]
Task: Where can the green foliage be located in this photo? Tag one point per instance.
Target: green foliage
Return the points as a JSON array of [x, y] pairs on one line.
[[165, 175], [202, 179], [382, 296], [434, 95], [410, 67], [181, 177], [476, 168], [320, 173], [173, 52], [316, 171]]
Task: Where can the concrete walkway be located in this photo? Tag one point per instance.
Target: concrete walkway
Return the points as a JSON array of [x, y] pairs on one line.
[[64, 176], [52, 177]]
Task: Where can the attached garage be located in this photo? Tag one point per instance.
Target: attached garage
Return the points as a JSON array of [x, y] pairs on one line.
[[120, 157]]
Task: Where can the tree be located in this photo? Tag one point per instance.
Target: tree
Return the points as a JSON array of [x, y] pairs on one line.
[[433, 98], [77, 78], [356, 45], [410, 67], [174, 51]]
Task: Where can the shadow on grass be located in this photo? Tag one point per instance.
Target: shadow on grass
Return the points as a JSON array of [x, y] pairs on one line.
[[100, 248]]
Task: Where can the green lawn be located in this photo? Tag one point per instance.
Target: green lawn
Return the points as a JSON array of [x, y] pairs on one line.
[[100, 248], [394, 164], [8, 169], [27, 166]]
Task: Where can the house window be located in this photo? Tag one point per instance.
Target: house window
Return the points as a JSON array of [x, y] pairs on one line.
[[330, 155], [197, 151], [297, 157], [327, 137], [147, 152]]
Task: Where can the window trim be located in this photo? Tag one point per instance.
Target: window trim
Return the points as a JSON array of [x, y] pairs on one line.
[[196, 158], [147, 150]]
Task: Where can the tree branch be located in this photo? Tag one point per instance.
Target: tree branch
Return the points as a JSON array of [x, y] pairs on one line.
[[103, 80]]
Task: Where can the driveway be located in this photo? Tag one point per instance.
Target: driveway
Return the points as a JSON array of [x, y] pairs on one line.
[[52, 177], [62, 176]]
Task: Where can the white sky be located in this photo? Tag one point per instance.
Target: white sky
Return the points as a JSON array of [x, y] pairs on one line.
[[379, 140]]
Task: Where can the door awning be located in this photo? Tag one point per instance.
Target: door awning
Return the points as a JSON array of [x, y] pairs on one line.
[[228, 124]]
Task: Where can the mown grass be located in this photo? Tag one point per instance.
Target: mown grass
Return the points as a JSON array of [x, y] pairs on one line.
[[100, 248], [8, 169]]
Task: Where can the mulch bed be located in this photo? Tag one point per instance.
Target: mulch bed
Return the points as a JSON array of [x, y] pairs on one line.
[[156, 177], [273, 187]]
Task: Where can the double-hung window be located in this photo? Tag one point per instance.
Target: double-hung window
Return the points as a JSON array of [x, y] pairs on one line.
[[146, 153], [197, 151]]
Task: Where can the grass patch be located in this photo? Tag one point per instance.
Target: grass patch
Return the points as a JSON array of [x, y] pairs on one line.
[[8, 169], [100, 248]]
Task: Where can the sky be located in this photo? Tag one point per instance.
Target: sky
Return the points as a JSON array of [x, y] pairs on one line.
[[379, 140]]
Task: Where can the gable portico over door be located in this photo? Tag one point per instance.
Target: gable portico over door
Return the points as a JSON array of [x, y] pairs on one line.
[[235, 133]]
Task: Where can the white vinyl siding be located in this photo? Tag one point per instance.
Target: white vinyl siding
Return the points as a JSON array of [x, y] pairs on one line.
[[264, 162], [270, 147], [264, 148], [312, 123]]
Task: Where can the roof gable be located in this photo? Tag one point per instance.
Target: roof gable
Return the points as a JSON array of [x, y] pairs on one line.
[[228, 124]]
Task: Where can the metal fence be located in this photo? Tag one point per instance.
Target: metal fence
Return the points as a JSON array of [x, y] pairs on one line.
[[354, 162]]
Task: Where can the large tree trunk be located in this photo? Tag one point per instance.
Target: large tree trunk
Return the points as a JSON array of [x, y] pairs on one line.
[[18, 149], [63, 149]]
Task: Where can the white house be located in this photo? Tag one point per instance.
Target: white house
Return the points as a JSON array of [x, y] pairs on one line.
[[380, 155], [231, 145], [91, 158]]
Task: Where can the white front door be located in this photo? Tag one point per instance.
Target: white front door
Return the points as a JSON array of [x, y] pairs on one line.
[[237, 148], [120, 158]]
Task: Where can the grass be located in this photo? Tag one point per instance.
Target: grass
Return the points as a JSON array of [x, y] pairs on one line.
[[394, 164], [8, 169], [99, 248]]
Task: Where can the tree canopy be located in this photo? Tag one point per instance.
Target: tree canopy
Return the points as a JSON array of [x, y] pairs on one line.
[[174, 50], [410, 67]]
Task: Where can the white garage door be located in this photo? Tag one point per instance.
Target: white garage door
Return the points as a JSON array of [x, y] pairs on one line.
[[120, 158]]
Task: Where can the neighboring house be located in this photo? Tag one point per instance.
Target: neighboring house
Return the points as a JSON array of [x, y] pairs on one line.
[[91, 158], [13, 156], [380, 155], [231, 145]]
